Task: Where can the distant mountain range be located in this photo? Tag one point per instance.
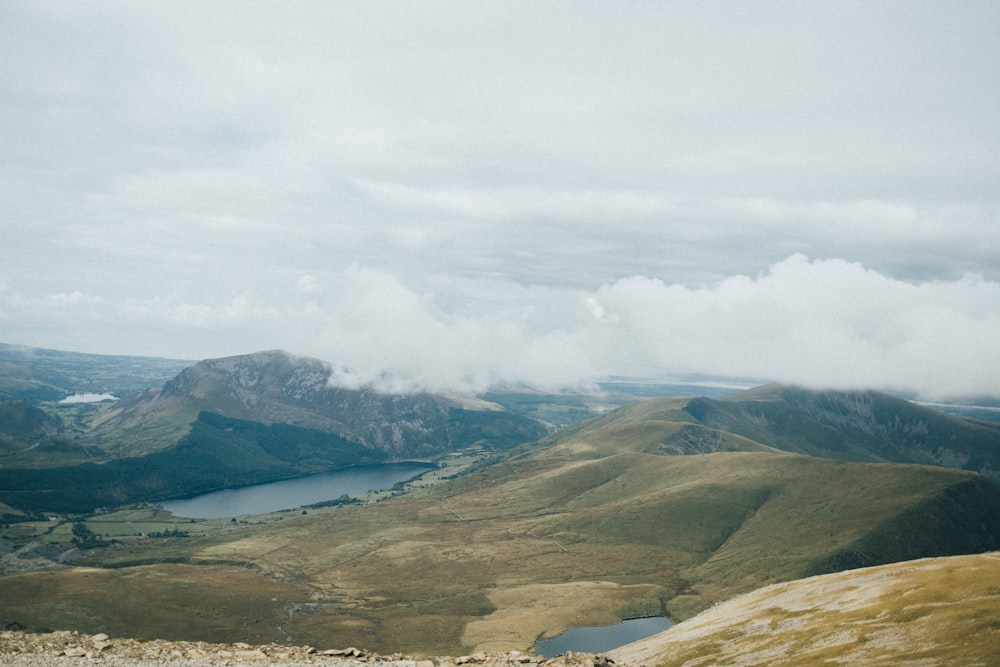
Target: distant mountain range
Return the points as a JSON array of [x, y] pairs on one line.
[[841, 425], [232, 421], [37, 374], [660, 506]]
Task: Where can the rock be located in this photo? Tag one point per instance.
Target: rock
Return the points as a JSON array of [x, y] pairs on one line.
[[251, 654], [99, 637]]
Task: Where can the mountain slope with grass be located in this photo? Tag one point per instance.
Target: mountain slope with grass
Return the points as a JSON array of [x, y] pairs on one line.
[[937, 611], [229, 422], [662, 507], [553, 536], [274, 387], [841, 425]]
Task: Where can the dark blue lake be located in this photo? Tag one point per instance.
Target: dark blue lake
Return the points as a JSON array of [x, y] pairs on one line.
[[292, 493], [600, 639]]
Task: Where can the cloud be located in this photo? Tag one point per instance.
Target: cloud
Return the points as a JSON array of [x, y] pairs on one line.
[[818, 323], [822, 323], [466, 194]]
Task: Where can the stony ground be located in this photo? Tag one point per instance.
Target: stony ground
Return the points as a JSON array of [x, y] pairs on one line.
[[70, 649]]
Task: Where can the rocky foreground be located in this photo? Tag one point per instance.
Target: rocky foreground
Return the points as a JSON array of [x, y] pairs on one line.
[[25, 649]]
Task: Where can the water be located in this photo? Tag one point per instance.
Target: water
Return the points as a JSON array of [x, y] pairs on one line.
[[292, 493], [599, 639]]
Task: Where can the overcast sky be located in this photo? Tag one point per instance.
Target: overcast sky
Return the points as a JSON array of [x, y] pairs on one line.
[[461, 194]]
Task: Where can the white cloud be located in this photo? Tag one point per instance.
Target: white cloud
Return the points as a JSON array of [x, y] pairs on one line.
[[819, 323], [441, 190]]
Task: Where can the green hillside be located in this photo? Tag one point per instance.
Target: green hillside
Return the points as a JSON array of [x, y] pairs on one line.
[[553, 537], [847, 426], [217, 453], [665, 506]]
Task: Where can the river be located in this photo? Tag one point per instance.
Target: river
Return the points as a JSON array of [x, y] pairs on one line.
[[292, 493]]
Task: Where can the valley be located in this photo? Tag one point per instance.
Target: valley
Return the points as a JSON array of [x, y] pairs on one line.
[[665, 506]]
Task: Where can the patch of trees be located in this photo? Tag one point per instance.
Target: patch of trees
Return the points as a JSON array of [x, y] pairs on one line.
[[337, 502], [176, 532], [84, 538]]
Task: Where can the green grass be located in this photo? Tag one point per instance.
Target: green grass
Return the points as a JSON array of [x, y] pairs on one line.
[[577, 530]]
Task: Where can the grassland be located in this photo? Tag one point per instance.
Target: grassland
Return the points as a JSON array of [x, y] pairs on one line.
[[576, 533], [939, 611]]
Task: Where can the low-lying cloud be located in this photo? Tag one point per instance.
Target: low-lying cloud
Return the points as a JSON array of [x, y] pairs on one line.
[[822, 323]]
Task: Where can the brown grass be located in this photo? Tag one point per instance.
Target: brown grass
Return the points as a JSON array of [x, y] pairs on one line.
[[940, 611], [494, 559]]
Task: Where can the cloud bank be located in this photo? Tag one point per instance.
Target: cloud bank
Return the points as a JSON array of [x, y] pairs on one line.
[[820, 323], [467, 194]]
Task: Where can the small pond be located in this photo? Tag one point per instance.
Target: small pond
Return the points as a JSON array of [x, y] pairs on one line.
[[600, 639], [292, 493]]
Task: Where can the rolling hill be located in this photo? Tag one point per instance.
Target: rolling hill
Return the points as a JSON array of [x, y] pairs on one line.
[[665, 506], [936, 611], [841, 425], [579, 531]]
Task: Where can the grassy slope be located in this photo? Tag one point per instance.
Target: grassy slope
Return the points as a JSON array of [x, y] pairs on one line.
[[559, 538], [591, 525], [858, 426], [940, 611], [218, 453]]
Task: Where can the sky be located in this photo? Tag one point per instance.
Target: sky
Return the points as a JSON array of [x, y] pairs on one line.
[[463, 195]]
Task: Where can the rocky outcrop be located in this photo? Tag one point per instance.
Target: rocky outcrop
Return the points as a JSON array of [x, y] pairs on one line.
[[20, 648], [31, 557]]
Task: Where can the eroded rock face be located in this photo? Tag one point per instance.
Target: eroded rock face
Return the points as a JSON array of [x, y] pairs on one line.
[[25, 648], [31, 557]]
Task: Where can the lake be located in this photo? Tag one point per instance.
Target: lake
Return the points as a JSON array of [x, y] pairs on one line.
[[599, 639], [292, 493]]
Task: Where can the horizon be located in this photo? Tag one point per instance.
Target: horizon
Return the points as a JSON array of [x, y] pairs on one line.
[[649, 386], [466, 195]]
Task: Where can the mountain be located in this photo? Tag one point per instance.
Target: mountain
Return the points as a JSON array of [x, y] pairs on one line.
[[243, 420], [274, 387], [841, 425], [666, 506], [571, 531], [935, 611]]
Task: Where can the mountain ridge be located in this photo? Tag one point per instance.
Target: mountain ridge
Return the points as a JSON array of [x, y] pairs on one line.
[[665, 506], [849, 426], [276, 387]]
